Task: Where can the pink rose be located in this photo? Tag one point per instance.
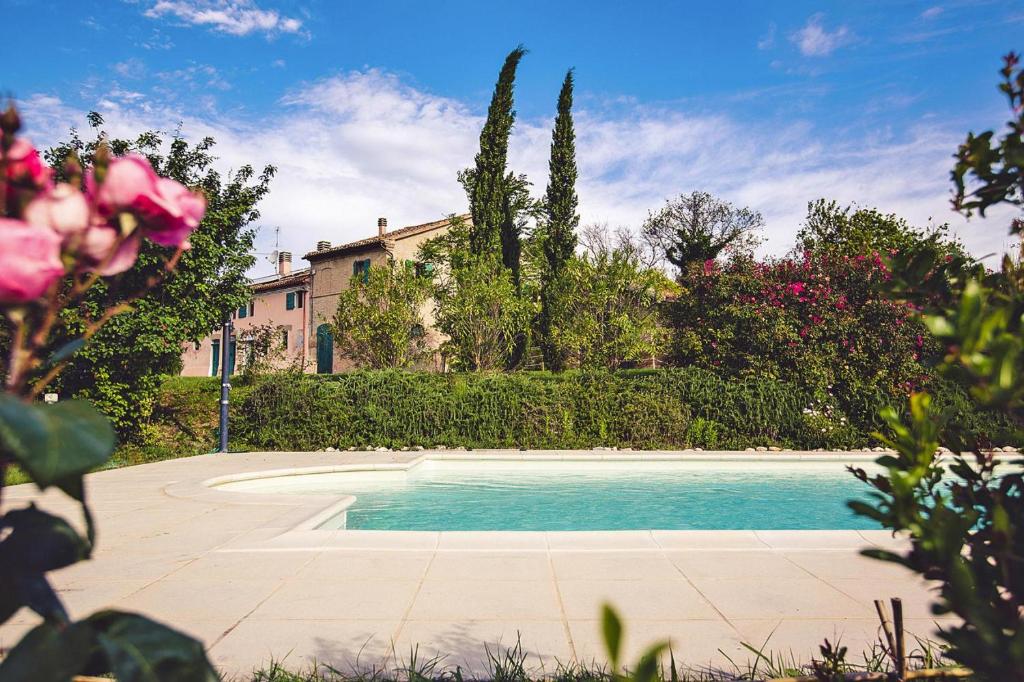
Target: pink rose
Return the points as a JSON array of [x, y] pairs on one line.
[[29, 260], [98, 246], [168, 211], [63, 209], [25, 166]]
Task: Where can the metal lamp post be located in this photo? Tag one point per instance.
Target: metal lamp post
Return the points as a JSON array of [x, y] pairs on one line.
[[225, 385]]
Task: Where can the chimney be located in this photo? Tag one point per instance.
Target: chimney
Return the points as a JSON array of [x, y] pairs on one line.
[[382, 226], [284, 263], [323, 246]]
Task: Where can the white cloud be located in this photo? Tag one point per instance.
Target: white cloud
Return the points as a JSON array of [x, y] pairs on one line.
[[814, 40], [767, 41], [235, 17], [361, 145], [932, 12]]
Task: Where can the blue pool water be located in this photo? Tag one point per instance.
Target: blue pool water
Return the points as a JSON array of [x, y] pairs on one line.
[[637, 496]]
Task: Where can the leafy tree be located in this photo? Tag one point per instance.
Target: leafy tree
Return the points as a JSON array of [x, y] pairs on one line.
[[379, 322], [851, 231], [481, 313], [606, 310], [561, 219], [487, 183], [965, 519], [120, 370], [697, 227]]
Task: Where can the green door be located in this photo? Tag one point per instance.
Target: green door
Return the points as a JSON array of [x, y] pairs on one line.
[[230, 360], [324, 350], [216, 358]]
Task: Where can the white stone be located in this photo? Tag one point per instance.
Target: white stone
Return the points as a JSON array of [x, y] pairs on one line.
[[748, 450], [761, 448]]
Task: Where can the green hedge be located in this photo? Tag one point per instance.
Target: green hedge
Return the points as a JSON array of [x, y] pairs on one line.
[[643, 409]]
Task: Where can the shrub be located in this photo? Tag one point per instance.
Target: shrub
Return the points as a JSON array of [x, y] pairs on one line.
[[647, 409]]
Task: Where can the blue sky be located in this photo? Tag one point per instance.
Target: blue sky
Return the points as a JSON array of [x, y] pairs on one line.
[[369, 109]]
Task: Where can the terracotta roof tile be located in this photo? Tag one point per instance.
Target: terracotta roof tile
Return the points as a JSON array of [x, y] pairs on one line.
[[376, 240]]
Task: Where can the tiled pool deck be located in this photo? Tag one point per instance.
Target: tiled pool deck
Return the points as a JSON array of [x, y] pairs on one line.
[[242, 572]]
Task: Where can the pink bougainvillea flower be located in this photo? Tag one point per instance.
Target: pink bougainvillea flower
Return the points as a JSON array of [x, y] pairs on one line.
[[29, 260], [63, 209], [167, 210], [98, 246], [25, 166]]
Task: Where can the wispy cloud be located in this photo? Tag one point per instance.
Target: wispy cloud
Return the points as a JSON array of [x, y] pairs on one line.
[[235, 17], [932, 12], [360, 145], [814, 40], [767, 41]]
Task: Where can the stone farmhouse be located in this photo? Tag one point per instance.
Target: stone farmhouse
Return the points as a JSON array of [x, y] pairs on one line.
[[300, 304]]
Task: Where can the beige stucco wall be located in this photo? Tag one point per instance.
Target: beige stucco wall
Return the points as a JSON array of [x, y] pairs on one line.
[[268, 308], [333, 274]]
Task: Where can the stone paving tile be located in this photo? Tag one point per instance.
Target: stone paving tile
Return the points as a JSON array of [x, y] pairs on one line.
[[618, 566], [482, 566], [736, 564], [697, 644], [84, 597], [348, 565], [302, 644], [339, 599], [793, 598], [238, 566], [635, 599], [698, 539], [915, 594], [846, 565], [466, 643], [513, 601], [183, 600]]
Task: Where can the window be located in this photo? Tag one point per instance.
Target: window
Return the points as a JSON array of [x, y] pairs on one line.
[[215, 358], [300, 297], [243, 312], [425, 269], [252, 308], [362, 267], [289, 301], [284, 339]]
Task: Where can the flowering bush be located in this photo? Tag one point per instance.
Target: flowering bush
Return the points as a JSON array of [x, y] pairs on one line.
[[57, 240], [815, 320]]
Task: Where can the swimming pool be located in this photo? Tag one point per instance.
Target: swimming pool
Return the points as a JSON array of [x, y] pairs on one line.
[[451, 495]]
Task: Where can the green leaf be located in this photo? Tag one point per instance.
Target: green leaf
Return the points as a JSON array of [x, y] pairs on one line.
[[39, 542], [138, 649], [611, 628], [647, 668], [56, 444], [48, 654]]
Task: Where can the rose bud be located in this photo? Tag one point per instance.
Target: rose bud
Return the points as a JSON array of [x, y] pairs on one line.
[[29, 260], [63, 209], [97, 245]]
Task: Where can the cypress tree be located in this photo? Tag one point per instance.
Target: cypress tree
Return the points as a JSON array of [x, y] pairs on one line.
[[560, 204], [486, 183]]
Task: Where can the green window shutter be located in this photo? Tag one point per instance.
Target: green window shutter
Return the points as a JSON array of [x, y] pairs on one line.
[[289, 301], [428, 269], [243, 312]]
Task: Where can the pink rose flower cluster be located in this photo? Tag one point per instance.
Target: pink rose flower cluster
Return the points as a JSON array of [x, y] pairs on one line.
[[53, 229]]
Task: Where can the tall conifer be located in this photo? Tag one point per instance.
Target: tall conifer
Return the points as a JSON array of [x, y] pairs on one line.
[[560, 205], [486, 183]]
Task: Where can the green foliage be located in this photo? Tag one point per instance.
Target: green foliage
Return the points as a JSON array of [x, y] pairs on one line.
[[851, 232], [697, 227], [649, 409], [481, 313], [379, 321], [604, 311], [487, 183], [558, 230], [647, 668], [996, 169], [965, 516], [119, 370]]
